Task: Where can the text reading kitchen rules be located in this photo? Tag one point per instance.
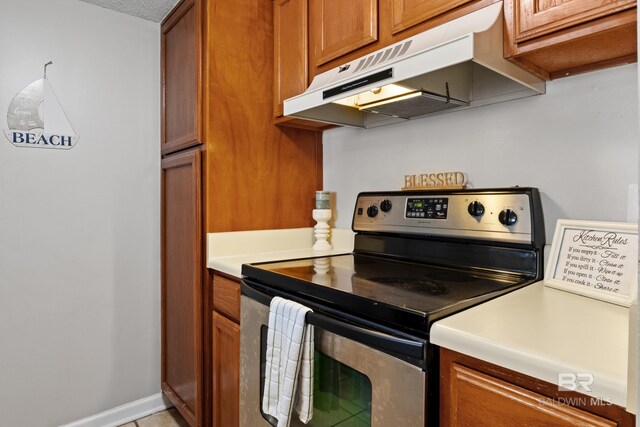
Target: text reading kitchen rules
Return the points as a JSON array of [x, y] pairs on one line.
[[595, 259]]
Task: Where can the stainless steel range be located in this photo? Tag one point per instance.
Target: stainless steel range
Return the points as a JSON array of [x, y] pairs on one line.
[[418, 257]]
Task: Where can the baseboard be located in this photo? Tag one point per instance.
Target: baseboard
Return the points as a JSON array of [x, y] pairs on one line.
[[125, 413]]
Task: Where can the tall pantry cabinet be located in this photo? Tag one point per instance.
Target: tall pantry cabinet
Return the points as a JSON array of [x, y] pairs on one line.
[[225, 167]]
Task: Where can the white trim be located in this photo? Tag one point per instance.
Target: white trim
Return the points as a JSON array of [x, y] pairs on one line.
[[125, 413]]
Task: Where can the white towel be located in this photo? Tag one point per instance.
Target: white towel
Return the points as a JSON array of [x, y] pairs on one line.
[[289, 363]]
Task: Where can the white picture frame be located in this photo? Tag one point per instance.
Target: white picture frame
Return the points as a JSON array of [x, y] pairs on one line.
[[596, 259]]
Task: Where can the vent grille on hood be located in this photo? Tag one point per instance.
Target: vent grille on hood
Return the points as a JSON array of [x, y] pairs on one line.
[[383, 56], [461, 60]]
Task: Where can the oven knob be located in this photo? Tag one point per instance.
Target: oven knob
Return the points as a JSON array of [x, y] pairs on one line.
[[372, 211], [507, 217], [385, 205], [476, 209]]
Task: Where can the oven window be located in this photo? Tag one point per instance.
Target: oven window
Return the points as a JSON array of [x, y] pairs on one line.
[[341, 395]]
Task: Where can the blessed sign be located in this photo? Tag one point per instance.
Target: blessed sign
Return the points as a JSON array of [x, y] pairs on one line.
[[434, 180], [596, 259]]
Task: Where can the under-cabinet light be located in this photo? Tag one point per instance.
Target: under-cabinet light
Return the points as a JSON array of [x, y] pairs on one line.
[[378, 96]]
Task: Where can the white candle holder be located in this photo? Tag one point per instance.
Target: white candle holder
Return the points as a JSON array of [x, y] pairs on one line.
[[321, 269], [321, 229]]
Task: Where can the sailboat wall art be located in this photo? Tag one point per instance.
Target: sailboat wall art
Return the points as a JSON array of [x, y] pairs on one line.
[[36, 118]]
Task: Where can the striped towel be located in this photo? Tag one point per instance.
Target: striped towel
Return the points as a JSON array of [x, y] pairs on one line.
[[289, 363]]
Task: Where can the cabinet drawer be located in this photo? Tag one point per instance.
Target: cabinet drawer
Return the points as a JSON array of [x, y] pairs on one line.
[[226, 297]]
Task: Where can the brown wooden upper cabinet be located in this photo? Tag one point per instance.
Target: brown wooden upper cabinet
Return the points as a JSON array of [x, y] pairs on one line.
[[407, 13], [555, 38], [290, 51], [341, 31], [536, 18], [290, 59], [339, 27], [181, 78]]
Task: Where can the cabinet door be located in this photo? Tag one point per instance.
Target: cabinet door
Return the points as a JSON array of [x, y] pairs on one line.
[[534, 18], [481, 400], [338, 27], [226, 372], [181, 77], [477, 393], [182, 283], [407, 13], [290, 51]]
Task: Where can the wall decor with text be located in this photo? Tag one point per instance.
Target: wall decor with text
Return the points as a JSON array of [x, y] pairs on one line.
[[36, 119], [595, 258], [434, 181]]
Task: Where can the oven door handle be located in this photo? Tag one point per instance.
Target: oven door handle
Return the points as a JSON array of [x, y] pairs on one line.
[[414, 349], [368, 337]]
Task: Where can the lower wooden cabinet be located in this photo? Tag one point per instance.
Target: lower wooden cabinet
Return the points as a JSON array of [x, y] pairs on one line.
[[225, 355], [182, 282], [226, 371], [477, 393]]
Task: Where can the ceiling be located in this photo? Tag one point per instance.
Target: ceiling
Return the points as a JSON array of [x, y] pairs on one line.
[[152, 10]]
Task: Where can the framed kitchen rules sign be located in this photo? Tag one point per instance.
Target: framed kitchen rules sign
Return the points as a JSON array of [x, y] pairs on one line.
[[596, 259]]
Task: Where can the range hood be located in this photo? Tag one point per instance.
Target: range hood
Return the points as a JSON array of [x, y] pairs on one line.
[[454, 66]]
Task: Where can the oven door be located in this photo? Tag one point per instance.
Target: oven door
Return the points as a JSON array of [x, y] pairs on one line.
[[354, 383]]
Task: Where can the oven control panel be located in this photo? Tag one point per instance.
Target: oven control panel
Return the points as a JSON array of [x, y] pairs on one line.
[[501, 215], [427, 207]]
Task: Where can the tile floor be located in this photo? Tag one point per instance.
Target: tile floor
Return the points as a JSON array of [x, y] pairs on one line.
[[168, 418]]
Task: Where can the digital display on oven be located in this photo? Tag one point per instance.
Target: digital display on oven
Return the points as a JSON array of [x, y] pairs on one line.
[[429, 208]]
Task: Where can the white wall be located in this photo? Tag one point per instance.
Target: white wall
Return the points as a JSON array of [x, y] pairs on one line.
[[578, 144], [79, 229]]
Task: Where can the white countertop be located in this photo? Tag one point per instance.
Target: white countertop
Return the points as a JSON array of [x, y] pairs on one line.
[[541, 332], [226, 252]]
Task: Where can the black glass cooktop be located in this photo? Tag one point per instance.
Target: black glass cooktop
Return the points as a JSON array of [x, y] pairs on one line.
[[398, 293]]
